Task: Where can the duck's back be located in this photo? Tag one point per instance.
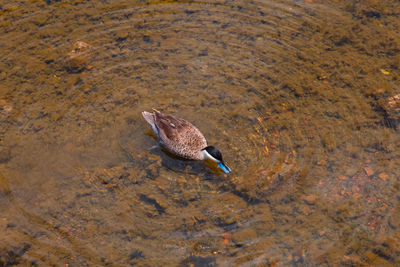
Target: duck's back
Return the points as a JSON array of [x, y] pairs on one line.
[[179, 136]]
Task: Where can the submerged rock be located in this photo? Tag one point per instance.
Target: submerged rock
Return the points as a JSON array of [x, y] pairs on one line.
[[12, 256], [246, 235], [5, 107], [310, 199], [206, 246], [78, 57], [391, 108], [199, 261]]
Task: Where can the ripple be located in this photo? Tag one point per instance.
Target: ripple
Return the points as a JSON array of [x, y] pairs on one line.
[[279, 87]]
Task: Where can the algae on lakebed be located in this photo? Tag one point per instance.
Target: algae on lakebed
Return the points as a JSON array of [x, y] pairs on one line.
[[297, 95]]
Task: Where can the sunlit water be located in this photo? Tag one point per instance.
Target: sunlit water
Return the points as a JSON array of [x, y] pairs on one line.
[[292, 92]]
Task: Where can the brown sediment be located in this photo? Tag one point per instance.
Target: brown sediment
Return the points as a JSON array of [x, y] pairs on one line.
[[300, 97]]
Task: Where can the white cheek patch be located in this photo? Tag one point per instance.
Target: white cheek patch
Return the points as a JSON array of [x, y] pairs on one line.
[[208, 156]]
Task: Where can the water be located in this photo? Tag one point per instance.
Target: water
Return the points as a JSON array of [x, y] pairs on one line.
[[296, 94]]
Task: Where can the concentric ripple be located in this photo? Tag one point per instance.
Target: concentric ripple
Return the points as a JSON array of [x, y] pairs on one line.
[[286, 89]]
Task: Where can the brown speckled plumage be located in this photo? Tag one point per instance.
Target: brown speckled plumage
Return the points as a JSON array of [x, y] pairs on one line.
[[176, 135]]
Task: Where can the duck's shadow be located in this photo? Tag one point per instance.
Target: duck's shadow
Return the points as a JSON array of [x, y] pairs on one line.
[[178, 164]]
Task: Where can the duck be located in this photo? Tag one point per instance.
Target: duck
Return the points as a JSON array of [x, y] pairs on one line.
[[182, 138]]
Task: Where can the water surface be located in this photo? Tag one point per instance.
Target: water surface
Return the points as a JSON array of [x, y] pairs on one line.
[[300, 97]]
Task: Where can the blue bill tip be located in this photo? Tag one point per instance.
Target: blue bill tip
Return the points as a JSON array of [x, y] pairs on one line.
[[224, 167]]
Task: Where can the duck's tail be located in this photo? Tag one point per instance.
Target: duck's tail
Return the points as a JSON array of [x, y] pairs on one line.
[[149, 117]]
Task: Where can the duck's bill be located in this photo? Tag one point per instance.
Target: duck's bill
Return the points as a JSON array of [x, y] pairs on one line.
[[224, 167]]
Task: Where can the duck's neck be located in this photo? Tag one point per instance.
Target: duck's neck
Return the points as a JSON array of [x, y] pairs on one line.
[[205, 155]]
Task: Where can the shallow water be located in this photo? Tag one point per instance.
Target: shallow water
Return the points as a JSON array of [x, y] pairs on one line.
[[298, 95]]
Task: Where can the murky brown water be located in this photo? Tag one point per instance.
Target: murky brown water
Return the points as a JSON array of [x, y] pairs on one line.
[[300, 96]]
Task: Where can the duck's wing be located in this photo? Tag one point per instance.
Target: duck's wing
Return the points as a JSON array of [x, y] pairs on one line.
[[178, 131], [170, 126]]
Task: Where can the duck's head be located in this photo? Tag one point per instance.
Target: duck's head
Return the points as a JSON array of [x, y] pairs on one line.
[[212, 153]]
